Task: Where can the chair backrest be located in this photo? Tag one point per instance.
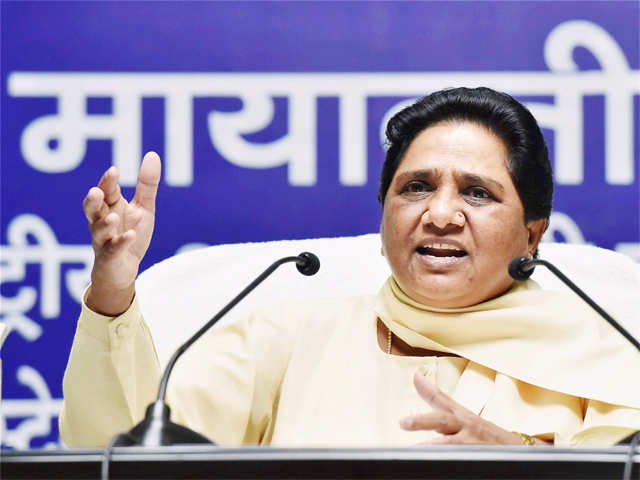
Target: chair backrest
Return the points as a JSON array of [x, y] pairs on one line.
[[179, 294]]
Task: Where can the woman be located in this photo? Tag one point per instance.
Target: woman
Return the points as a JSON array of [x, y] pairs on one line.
[[450, 351]]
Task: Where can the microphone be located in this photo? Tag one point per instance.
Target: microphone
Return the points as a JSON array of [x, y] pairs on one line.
[[521, 268], [157, 429], [308, 264]]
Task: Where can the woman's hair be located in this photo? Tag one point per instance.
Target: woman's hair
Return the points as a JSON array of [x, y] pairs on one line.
[[508, 119]]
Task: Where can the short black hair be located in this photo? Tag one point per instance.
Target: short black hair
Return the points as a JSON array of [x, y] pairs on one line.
[[507, 118]]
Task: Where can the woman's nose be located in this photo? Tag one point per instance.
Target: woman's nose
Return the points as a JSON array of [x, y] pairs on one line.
[[442, 210]]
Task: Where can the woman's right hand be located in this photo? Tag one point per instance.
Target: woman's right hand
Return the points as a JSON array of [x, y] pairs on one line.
[[120, 233]]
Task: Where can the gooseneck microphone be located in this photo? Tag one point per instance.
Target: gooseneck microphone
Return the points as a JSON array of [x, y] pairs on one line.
[[521, 268], [157, 429]]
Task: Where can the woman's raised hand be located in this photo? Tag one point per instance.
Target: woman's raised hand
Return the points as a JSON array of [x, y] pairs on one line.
[[453, 421], [120, 234]]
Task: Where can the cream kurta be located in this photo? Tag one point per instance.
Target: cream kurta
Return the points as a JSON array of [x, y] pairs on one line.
[[307, 374]]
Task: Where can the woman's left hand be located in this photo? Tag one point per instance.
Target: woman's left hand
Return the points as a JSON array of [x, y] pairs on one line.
[[452, 420]]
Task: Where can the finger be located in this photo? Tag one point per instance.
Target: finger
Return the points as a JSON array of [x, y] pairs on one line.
[[115, 245], [441, 422], [148, 180], [433, 395], [105, 229], [119, 243], [109, 185], [93, 205]]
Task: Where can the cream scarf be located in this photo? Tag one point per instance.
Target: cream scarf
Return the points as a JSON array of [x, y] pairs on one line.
[[544, 338]]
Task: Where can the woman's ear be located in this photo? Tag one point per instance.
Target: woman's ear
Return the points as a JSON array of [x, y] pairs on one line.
[[535, 228]]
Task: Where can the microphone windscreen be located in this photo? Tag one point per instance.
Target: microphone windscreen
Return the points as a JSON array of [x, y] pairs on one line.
[[517, 268], [310, 265]]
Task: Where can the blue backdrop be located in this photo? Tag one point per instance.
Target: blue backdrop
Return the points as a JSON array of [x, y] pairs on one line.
[[268, 117]]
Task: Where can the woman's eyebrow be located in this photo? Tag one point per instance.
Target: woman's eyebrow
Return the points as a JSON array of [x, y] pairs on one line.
[[474, 179], [426, 174], [463, 177]]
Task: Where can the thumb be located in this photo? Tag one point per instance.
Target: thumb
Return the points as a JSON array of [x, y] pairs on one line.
[[148, 180]]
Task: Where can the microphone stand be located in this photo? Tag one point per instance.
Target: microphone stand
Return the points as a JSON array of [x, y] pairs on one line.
[[157, 429]]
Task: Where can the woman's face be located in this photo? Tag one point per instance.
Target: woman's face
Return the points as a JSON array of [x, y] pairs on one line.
[[452, 218]]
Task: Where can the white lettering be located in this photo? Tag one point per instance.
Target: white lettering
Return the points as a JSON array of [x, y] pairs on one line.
[[619, 85], [38, 411], [562, 228], [50, 256], [297, 148]]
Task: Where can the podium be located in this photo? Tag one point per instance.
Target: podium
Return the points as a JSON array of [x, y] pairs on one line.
[[437, 462]]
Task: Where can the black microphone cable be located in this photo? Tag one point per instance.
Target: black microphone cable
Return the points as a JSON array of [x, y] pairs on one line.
[[306, 263], [521, 268]]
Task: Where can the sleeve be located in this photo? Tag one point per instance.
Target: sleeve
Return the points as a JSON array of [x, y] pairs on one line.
[[111, 376], [606, 424], [226, 386]]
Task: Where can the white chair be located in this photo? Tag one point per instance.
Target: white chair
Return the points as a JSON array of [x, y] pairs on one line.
[[179, 294]]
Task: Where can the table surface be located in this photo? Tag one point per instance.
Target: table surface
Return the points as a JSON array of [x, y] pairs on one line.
[[270, 462]]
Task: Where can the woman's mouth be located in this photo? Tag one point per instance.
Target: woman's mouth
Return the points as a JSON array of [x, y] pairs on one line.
[[441, 250]]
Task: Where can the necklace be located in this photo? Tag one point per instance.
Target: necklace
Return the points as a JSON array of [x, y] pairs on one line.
[[389, 338]]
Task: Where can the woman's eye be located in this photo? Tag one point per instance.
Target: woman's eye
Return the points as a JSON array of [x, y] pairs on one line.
[[478, 193], [416, 187]]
